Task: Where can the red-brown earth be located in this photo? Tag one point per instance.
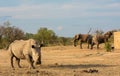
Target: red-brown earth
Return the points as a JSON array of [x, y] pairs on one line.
[[66, 61]]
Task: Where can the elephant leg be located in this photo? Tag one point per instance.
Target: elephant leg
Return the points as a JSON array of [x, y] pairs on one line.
[[29, 59], [80, 44], [97, 46], [92, 44], [11, 59], [18, 62], [88, 46]]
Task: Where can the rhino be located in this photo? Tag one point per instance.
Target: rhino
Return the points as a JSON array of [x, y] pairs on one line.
[[25, 49]]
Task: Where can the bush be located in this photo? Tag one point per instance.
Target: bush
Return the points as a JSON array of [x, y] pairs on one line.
[[108, 47]]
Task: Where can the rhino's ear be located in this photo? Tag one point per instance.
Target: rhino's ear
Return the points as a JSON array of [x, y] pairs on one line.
[[33, 46]]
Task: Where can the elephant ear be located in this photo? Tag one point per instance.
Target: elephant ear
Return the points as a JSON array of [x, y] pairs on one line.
[[77, 36]]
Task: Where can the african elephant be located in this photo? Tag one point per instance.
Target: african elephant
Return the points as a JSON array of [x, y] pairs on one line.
[[83, 38], [98, 39], [25, 49]]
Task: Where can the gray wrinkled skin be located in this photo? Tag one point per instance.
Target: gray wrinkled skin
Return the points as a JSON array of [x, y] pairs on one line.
[[98, 39], [83, 38], [25, 49]]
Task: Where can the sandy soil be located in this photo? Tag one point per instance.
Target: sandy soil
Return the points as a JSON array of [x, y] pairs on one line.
[[66, 61]]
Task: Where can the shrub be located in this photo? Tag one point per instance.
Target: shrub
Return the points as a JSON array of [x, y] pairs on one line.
[[108, 47]]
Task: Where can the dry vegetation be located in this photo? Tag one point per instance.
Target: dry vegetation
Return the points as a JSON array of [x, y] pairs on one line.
[[67, 61]]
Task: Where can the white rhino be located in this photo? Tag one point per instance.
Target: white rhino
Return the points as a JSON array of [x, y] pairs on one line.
[[25, 49]]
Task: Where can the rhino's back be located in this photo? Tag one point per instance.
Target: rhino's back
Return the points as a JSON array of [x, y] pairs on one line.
[[17, 48]]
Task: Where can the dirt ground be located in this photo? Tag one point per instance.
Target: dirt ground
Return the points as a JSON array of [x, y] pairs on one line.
[[66, 61]]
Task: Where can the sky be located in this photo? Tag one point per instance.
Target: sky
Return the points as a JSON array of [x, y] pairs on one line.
[[65, 17]]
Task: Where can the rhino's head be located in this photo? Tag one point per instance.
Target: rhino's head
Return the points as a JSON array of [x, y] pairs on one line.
[[36, 52]]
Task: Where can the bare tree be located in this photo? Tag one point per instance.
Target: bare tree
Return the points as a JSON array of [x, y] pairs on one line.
[[8, 34]]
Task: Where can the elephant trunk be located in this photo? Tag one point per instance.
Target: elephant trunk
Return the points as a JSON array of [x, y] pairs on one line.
[[75, 43]]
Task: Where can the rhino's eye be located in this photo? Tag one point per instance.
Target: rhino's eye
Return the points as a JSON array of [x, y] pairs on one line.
[[33, 46]]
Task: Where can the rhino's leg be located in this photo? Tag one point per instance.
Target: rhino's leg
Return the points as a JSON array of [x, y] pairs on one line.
[[28, 58], [18, 62], [11, 59]]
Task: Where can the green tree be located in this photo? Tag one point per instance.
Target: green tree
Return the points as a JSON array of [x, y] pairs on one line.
[[45, 35], [29, 35], [65, 41]]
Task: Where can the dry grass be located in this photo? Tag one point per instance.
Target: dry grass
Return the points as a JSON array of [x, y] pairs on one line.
[[67, 61]]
